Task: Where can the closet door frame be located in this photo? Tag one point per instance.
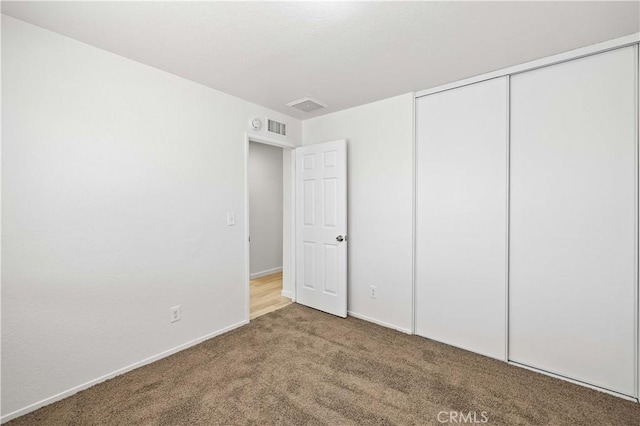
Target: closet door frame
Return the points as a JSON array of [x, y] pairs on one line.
[[630, 40]]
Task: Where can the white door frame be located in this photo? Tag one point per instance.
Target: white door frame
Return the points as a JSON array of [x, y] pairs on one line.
[[290, 271]]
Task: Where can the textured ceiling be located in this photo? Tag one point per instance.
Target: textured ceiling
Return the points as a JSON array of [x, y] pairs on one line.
[[342, 53]]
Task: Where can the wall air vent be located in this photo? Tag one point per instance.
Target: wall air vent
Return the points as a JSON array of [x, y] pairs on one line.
[[276, 127], [307, 104]]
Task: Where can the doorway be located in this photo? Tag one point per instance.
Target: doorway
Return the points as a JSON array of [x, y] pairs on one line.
[[269, 225]]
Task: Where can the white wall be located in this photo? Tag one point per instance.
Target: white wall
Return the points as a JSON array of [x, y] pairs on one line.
[[265, 208], [379, 151], [116, 180]]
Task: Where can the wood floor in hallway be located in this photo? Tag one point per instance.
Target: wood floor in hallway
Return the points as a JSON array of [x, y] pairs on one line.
[[266, 295]]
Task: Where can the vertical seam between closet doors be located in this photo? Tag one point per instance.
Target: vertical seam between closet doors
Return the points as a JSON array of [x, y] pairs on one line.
[[637, 222], [414, 213], [508, 215]]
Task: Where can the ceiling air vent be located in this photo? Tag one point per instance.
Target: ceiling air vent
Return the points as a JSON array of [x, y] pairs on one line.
[[307, 104], [276, 127]]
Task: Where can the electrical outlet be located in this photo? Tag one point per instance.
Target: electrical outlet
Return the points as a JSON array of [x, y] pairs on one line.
[[374, 292], [231, 219], [175, 313]]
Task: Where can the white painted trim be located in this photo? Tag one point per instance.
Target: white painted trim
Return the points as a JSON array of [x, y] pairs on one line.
[[414, 210], [247, 246], [288, 295], [538, 63], [265, 272], [292, 273], [508, 221], [637, 225], [76, 389], [255, 137], [576, 382], [378, 322]]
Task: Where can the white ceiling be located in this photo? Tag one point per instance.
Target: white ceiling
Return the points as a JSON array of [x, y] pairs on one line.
[[342, 53]]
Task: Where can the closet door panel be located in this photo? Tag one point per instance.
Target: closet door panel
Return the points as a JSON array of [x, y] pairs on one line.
[[461, 151], [573, 219]]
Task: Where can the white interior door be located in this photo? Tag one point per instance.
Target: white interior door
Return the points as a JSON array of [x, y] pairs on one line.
[[321, 227], [461, 201], [573, 219]]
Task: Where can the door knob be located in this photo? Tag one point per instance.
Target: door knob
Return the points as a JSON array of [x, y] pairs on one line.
[[340, 238]]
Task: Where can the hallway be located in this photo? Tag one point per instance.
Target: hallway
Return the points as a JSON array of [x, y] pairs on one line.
[[266, 295]]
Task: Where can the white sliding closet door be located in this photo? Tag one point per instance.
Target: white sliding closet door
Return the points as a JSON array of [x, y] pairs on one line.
[[461, 149], [573, 219]]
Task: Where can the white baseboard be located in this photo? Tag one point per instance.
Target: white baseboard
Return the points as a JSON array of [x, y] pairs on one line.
[[382, 323], [266, 272], [76, 389], [288, 294]]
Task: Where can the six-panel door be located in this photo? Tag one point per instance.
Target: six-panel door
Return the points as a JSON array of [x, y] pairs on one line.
[[321, 227]]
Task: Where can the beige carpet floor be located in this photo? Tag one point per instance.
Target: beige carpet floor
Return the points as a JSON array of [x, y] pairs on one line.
[[298, 366]]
